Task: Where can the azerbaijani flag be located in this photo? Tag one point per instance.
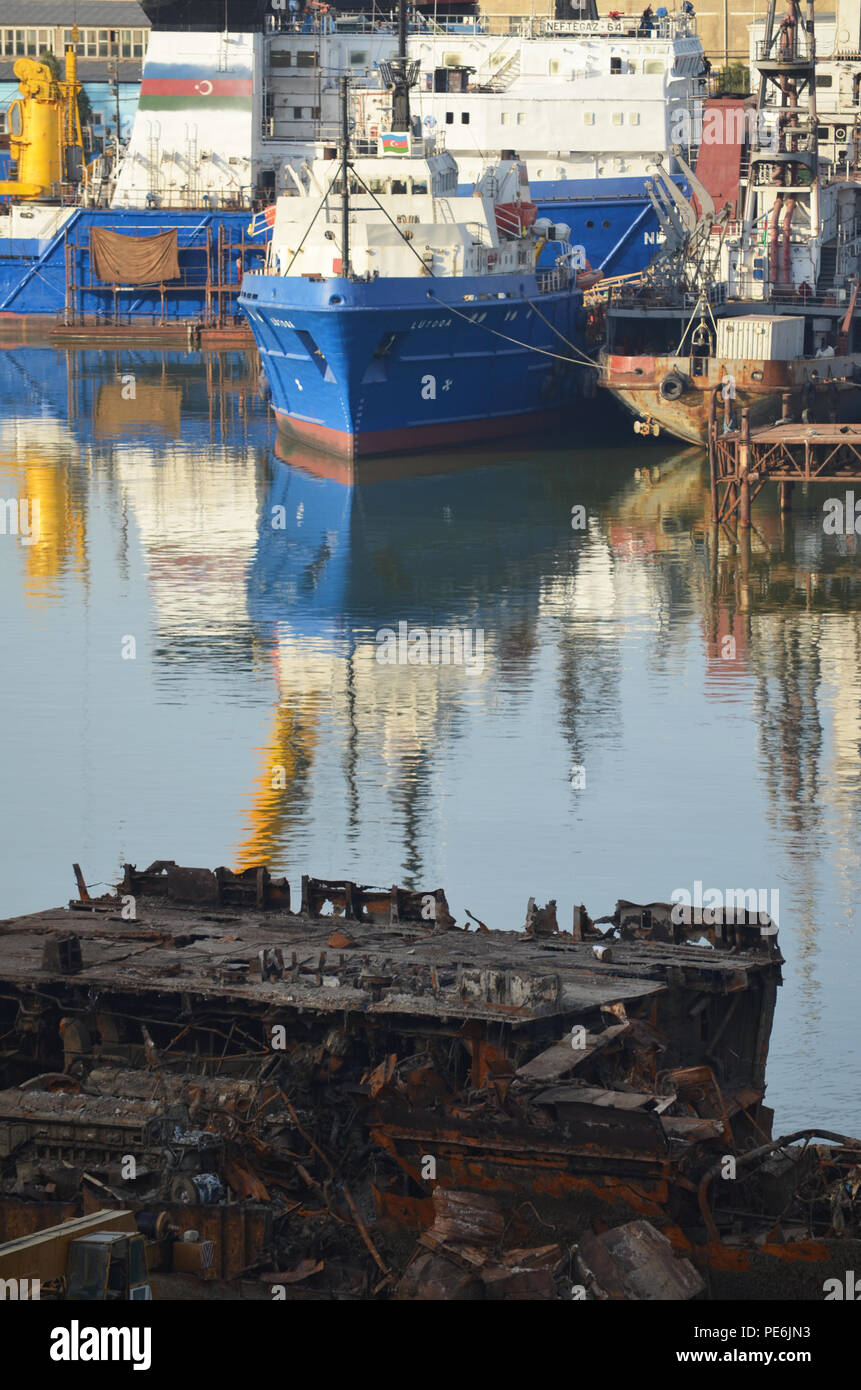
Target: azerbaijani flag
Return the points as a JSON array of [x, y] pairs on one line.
[[181, 85], [395, 143], [262, 221]]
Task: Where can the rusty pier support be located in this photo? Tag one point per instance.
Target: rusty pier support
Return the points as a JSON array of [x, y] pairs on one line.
[[786, 453]]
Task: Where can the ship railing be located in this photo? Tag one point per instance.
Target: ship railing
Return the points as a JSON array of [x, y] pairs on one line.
[[377, 20], [796, 50], [552, 281], [384, 21], [747, 288], [365, 146]]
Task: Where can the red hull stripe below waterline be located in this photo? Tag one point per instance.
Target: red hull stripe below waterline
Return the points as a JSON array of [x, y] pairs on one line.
[[416, 436]]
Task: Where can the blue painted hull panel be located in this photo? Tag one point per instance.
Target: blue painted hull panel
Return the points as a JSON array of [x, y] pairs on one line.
[[612, 218], [33, 272]]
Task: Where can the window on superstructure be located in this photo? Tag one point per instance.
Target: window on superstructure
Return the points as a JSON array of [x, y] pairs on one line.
[[399, 186], [297, 113], [824, 79], [553, 67], [449, 118], [617, 118], [306, 58], [521, 117], [419, 186], [588, 117], [633, 118], [615, 64], [464, 118], [503, 119], [315, 113], [358, 58]]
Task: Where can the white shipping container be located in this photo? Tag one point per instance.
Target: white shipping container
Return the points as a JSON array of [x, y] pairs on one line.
[[766, 337]]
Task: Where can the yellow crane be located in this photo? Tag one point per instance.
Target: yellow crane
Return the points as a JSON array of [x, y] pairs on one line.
[[44, 124]]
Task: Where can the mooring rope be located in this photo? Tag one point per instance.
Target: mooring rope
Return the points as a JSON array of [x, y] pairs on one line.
[[530, 347], [553, 329]]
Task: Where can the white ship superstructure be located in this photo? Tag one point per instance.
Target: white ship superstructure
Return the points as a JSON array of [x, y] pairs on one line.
[[589, 104]]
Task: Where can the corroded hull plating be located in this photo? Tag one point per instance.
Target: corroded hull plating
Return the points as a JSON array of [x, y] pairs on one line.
[[758, 385]]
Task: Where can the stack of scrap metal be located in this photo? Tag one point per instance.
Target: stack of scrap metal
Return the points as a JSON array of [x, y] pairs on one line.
[[343, 1086]]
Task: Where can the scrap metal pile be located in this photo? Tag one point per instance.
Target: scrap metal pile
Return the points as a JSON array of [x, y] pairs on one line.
[[358, 1098]]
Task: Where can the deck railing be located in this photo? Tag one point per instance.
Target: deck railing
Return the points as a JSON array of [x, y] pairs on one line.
[[383, 20]]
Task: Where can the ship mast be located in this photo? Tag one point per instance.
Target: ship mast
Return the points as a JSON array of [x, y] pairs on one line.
[[345, 178], [400, 74], [785, 157]]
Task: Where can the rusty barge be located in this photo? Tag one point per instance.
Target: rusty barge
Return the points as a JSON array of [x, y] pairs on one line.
[[349, 1096]]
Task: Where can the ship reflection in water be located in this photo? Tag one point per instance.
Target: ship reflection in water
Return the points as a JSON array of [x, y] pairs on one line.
[[646, 713]]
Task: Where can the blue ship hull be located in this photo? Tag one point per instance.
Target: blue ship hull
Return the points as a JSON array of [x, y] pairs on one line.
[[390, 365]]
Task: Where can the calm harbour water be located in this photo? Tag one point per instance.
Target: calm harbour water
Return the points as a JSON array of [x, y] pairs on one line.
[[737, 764]]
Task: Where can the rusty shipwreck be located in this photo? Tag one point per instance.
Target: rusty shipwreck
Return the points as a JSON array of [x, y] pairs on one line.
[[348, 1095]]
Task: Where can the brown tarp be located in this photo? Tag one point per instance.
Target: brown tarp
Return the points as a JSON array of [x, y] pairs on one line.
[[134, 260]]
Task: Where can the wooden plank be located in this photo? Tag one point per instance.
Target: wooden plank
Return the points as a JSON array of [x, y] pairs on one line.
[[562, 1058]]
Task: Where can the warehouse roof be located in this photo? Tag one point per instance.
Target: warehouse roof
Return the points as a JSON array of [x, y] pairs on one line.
[[34, 13], [89, 70]]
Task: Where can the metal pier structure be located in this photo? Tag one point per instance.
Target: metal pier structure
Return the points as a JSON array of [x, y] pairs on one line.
[[743, 461]]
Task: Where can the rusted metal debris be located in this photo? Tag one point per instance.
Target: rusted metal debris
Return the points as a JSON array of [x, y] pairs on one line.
[[343, 1086]]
